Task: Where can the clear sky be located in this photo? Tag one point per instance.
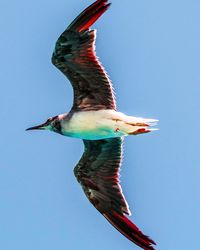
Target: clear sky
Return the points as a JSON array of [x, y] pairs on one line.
[[151, 50]]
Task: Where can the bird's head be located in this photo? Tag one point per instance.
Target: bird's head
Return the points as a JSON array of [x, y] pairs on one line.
[[52, 124]]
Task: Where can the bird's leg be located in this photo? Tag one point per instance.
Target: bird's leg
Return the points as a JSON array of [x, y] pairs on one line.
[[140, 131]]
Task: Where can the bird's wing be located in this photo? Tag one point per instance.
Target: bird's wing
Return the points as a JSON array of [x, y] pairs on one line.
[[98, 173], [75, 56]]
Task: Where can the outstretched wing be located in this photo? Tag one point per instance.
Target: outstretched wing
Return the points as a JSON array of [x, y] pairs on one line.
[[98, 174], [75, 56]]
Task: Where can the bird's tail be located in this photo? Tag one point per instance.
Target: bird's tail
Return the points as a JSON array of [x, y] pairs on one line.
[[89, 16], [141, 125], [131, 125], [129, 230]]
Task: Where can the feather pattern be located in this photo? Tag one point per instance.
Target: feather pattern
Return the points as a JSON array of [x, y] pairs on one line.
[[98, 173], [75, 56]]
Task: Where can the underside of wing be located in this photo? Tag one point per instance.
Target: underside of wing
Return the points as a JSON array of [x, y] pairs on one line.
[[98, 174], [75, 56]]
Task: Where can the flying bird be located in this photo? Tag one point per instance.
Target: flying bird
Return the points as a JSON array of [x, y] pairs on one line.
[[94, 119]]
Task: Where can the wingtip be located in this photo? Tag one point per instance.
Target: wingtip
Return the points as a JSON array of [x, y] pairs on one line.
[[130, 230], [89, 16]]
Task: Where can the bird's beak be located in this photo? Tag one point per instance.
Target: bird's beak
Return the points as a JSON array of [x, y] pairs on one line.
[[42, 126]]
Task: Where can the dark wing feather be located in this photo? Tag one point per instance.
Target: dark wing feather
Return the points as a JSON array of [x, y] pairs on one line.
[[75, 56], [98, 174]]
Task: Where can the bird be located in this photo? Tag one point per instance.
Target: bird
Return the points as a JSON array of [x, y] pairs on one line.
[[94, 119]]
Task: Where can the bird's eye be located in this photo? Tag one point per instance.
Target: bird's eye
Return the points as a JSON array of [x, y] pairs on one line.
[[57, 126]]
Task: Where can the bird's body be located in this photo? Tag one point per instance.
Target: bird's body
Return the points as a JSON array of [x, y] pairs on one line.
[[102, 124], [95, 119]]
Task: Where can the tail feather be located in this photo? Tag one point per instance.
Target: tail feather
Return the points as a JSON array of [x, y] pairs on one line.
[[89, 16], [130, 230], [138, 125]]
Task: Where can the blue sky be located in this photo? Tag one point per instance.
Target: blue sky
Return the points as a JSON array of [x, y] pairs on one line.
[[151, 51]]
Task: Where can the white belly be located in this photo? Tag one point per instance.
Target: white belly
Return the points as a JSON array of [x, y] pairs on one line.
[[92, 125], [101, 124]]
